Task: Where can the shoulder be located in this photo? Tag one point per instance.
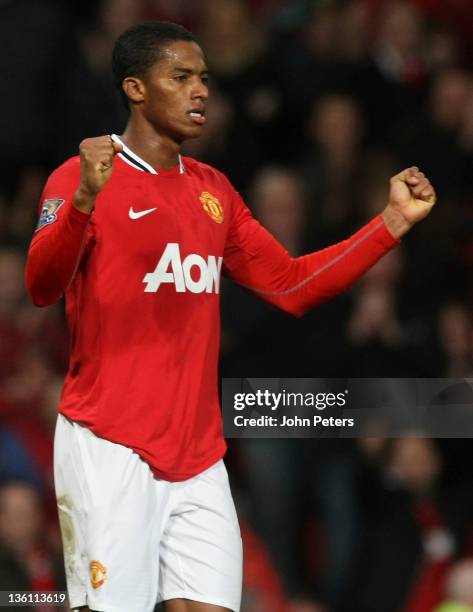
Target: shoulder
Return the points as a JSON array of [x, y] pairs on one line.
[[64, 180], [207, 172], [68, 169]]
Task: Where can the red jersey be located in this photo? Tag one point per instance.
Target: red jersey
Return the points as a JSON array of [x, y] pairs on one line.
[[141, 276]]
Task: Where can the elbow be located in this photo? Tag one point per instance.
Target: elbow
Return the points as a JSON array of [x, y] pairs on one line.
[[295, 310], [297, 313], [41, 301], [38, 295], [38, 299]]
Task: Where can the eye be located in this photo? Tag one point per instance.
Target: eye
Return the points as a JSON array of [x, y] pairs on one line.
[[181, 77], [205, 79]]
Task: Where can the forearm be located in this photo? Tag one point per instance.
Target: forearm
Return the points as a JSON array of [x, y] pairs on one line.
[[54, 255], [84, 201], [395, 223]]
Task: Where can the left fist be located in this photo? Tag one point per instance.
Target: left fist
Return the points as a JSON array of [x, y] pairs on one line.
[[411, 198]]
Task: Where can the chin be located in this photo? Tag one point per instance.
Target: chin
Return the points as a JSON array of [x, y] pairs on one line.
[[192, 133]]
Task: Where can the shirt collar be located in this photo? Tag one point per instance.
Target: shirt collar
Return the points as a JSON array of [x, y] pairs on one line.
[[134, 160]]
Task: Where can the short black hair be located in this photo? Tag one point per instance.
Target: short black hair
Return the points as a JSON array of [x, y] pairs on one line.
[[141, 46]]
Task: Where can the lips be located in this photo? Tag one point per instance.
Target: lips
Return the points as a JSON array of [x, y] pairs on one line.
[[197, 116]]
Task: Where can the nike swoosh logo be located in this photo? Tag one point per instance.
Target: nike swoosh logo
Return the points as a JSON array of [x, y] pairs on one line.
[[136, 215]]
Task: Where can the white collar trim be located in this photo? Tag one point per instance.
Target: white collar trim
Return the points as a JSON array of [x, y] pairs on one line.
[[129, 157]]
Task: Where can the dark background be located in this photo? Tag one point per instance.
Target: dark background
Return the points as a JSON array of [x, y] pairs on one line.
[[314, 105]]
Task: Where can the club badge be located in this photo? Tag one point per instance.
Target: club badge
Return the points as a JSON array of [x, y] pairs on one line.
[[49, 212], [212, 206], [98, 574]]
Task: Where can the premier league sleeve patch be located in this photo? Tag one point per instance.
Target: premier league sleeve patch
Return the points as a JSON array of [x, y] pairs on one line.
[[49, 212]]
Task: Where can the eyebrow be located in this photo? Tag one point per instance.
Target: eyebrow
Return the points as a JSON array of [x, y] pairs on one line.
[[190, 70]]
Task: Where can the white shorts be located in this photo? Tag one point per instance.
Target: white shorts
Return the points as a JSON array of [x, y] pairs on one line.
[[131, 540]]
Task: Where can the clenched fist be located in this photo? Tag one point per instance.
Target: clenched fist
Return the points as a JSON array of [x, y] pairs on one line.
[[96, 165], [411, 198]]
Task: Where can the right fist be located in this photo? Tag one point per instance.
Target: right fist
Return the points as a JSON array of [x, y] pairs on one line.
[[96, 164]]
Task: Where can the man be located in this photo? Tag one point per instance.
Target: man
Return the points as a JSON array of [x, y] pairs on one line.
[[27, 560], [137, 237]]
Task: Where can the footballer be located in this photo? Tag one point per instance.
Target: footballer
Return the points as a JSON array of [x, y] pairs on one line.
[[137, 238]]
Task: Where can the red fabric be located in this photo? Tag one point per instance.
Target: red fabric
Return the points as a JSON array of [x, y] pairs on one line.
[[427, 592], [254, 259], [259, 573], [39, 442], [41, 572], [42, 577], [427, 515], [12, 343], [145, 338]]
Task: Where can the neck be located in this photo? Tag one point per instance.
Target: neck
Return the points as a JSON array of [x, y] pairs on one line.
[[158, 150]]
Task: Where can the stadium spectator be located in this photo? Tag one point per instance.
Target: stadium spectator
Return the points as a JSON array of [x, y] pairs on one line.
[[456, 339], [385, 339], [243, 67], [87, 101], [37, 36], [331, 167], [279, 200], [438, 131], [420, 519], [390, 83], [27, 561], [459, 588]]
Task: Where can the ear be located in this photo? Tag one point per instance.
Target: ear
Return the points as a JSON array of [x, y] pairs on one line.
[[134, 89]]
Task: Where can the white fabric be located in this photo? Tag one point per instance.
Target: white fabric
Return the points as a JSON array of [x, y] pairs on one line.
[[141, 161], [156, 540]]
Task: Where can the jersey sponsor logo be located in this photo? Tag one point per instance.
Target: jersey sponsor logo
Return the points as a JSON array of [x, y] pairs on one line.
[[194, 274], [48, 212], [98, 574], [141, 213], [212, 206]]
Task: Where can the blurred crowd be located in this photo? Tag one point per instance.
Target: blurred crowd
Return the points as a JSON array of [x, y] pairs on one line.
[[314, 105]]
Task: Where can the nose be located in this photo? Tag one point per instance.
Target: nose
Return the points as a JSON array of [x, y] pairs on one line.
[[200, 91]]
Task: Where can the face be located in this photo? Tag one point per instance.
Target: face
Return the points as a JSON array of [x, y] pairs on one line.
[[11, 272], [172, 94], [415, 462], [279, 204], [20, 516]]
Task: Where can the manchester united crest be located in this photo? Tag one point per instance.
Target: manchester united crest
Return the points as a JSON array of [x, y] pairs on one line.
[[212, 206], [98, 574]]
